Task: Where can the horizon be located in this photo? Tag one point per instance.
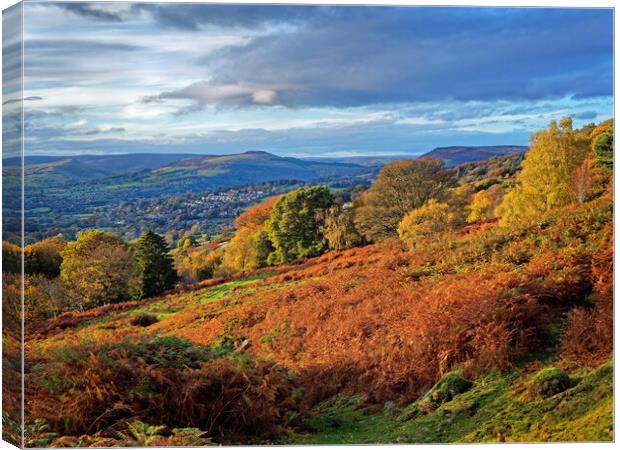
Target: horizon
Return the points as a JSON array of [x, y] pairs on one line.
[[272, 153], [112, 78]]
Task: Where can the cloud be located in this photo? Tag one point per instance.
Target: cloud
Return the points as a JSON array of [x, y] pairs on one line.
[[265, 97], [586, 115], [204, 93], [381, 55], [101, 130], [25, 99], [195, 16], [90, 11]]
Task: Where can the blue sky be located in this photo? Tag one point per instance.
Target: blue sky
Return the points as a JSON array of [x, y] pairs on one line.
[[300, 81]]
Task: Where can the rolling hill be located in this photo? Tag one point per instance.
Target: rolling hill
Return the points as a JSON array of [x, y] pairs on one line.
[[453, 156], [64, 170]]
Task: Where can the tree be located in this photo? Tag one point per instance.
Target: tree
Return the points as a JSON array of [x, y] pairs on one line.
[[544, 183], [43, 257], [154, 267], [197, 264], [339, 230], [400, 187], [603, 144], [11, 258], [186, 242], [431, 221], [257, 215], [294, 224], [240, 254], [483, 204], [96, 269]]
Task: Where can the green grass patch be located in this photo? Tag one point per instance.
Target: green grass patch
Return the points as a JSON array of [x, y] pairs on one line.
[[493, 410]]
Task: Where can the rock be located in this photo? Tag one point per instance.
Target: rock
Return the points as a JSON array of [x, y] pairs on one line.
[[549, 382], [389, 406], [444, 390]]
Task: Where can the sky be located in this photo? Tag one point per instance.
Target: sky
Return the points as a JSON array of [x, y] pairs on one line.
[[304, 80]]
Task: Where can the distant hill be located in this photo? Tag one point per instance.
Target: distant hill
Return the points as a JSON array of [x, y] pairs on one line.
[[254, 166], [453, 156], [367, 161], [190, 171], [81, 184], [61, 170]]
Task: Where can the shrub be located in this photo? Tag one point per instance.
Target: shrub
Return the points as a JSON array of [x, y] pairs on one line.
[[168, 380], [144, 320]]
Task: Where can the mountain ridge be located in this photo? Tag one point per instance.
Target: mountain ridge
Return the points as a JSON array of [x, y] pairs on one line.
[[460, 154]]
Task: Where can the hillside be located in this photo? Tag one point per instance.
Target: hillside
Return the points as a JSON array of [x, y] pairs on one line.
[[73, 194], [468, 304], [456, 155], [325, 324], [61, 170], [257, 166]]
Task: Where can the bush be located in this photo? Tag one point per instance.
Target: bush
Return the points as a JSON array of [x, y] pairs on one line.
[[144, 320], [100, 389]]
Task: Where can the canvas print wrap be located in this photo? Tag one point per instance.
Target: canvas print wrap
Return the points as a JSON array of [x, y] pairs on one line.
[[230, 224]]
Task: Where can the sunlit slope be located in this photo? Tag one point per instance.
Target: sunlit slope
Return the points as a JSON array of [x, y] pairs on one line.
[[377, 324]]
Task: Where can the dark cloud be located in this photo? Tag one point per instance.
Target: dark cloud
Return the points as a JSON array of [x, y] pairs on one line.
[[91, 11], [25, 99], [381, 55], [96, 131], [194, 16], [586, 115]]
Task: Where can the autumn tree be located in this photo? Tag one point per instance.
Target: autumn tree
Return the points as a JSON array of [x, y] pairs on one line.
[[483, 204], [186, 242], [603, 144], [254, 217], [339, 229], [240, 254], [250, 246], [44, 297], [44, 257], [153, 265], [11, 258], [431, 221], [96, 269], [294, 224], [544, 182], [400, 187], [197, 264]]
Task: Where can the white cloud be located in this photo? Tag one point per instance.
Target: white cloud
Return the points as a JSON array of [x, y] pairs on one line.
[[265, 97]]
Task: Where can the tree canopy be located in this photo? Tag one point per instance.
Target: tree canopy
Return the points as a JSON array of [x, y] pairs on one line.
[[96, 269], [154, 267], [294, 225], [400, 187], [544, 182]]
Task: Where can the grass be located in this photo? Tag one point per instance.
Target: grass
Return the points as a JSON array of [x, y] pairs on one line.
[[501, 412]]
